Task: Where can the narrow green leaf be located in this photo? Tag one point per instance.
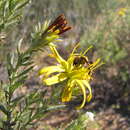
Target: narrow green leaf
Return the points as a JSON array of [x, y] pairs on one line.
[[9, 65], [43, 110], [27, 63], [3, 109], [16, 101], [25, 72], [17, 84], [19, 6], [10, 5], [19, 46]]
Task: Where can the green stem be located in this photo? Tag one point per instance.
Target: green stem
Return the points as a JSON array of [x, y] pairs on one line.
[[8, 121]]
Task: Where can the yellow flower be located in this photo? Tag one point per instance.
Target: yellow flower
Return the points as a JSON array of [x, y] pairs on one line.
[[76, 73], [122, 12]]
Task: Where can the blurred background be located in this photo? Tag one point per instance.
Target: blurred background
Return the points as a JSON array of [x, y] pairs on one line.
[[106, 26]]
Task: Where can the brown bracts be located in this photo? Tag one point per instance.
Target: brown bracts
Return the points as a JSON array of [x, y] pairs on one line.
[[59, 25]]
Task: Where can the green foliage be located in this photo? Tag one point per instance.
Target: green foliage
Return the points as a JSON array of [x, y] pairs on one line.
[[10, 12], [83, 122], [95, 21], [105, 36], [78, 124], [19, 111]]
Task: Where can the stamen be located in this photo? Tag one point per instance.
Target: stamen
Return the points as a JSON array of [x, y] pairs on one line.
[[77, 45], [87, 50]]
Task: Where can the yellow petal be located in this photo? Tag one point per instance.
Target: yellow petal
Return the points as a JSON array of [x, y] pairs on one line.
[[81, 85], [67, 92], [81, 74], [70, 63], [51, 69], [86, 83], [51, 38], [57, 56], [55, 79]]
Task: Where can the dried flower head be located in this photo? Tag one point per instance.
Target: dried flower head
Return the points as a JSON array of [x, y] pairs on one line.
[[47, 33], [59, 25]]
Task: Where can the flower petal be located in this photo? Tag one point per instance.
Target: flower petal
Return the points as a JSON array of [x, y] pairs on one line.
[[57, 56], [51, 69], [67, 92], [81, 85], [86, 83], [55, 79], [80, 74]]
